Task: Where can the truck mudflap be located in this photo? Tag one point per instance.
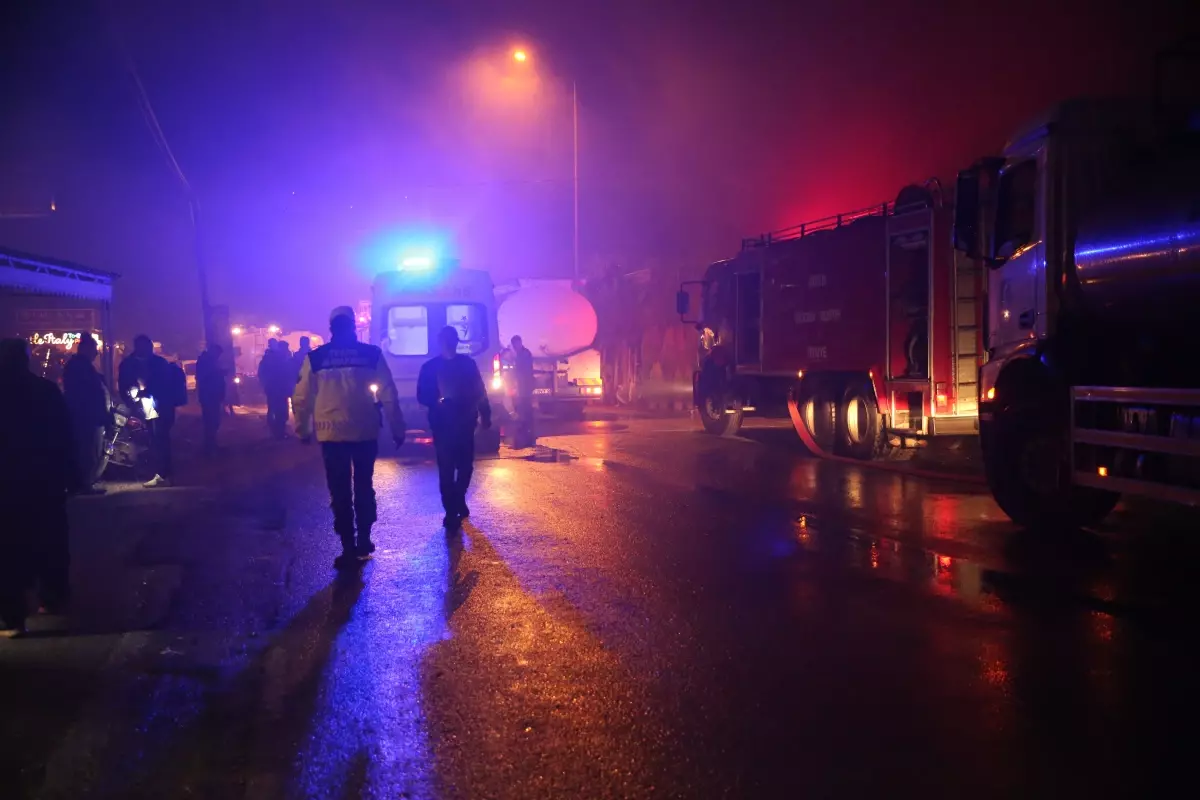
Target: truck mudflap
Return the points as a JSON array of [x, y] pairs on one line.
[[806, 435], [1136, 440]]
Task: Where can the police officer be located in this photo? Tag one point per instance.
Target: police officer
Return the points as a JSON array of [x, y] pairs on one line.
[[451, 387], [339, 394]]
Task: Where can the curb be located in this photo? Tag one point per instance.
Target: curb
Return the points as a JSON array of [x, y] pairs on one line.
[[661, 406]]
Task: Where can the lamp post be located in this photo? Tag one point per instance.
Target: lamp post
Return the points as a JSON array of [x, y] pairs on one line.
[[522, 57]]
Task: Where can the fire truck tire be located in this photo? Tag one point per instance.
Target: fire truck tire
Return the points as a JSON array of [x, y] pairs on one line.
[[859, 427], [1024, 464], [818, 411], [717, 414]]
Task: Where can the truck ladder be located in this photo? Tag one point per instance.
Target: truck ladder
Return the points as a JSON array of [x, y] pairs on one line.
[[966, 340]]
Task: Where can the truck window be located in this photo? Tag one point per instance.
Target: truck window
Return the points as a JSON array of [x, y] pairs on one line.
[[471, 322], [407, 331], [1016, 208]]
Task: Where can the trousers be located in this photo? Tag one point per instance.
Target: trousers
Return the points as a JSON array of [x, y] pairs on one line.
[[350, 472], [523, 432], [160, 442], [90, 443], [34, 549], [210, 413], [277, 415], [455, 451]]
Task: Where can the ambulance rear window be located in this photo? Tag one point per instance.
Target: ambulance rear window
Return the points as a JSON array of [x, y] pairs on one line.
[[407, 331]]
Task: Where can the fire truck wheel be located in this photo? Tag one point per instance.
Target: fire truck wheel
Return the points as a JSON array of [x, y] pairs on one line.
[[1025, 465], [817, 409], [717, 414], [859, 428]]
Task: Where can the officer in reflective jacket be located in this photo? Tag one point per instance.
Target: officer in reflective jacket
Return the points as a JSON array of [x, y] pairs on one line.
[[342, 389]]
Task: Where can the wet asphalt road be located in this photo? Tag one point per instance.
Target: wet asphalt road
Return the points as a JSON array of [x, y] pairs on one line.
[[634, 610]]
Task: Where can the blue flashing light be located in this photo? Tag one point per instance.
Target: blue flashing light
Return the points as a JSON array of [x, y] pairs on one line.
[[416, 262]]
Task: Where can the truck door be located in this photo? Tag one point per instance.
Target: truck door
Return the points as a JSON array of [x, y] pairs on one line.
[[1014, 309], [748, 333]]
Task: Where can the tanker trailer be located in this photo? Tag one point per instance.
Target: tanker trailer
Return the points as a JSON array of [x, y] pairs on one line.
[[558, 324], [1088, 227]]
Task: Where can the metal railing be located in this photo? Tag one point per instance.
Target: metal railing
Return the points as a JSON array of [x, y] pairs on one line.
[[823, 224], [1173, 444]]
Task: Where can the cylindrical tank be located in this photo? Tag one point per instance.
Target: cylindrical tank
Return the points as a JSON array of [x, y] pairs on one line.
[[551, 317], [1140, 259]]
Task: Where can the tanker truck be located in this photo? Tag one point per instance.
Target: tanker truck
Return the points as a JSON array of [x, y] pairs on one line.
[[1087, 228], [558, 325]]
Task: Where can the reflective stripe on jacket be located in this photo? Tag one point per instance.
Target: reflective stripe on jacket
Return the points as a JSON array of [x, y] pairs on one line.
[[333, 396]]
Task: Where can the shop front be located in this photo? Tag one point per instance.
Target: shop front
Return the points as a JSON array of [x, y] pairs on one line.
[[52, 304]]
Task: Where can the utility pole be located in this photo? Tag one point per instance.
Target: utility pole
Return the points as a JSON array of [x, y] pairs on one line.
[[575, 172], [201, 271]]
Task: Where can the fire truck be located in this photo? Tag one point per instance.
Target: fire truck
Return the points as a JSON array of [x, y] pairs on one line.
[[863, 327], [1050, 308]]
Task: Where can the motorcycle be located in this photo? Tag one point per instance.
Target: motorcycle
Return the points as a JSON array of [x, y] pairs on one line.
[[127, 442]]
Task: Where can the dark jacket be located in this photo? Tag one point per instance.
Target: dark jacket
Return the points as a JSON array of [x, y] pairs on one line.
[[452, 389], [153, 373], [210, 380], [523, 372], [85, 393], [37, 449], [275, 374]]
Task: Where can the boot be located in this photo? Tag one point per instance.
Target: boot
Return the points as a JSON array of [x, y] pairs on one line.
[[349, 556], [365, 546]]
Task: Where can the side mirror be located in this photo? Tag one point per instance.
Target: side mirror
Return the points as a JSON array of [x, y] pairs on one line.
[[967, 206], [683, 303]]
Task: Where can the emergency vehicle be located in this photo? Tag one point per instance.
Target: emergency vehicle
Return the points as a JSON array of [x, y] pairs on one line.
[[863, 327], [411, 303]]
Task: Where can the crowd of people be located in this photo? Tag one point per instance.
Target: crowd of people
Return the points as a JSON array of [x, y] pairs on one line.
[[341, 394], [278, 372]]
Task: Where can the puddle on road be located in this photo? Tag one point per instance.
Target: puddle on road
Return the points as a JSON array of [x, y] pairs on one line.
[[1031, 571], [942, 574]]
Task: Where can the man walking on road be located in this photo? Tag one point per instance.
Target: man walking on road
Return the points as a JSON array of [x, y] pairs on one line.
[[91, 410], [37, 470], [451, 387], [273, 376], [344, 390], [523, 402]]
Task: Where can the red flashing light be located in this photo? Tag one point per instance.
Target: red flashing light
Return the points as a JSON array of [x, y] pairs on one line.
[[496, 365]]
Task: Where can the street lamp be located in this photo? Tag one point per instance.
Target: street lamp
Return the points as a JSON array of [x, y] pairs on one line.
[[521, 56]]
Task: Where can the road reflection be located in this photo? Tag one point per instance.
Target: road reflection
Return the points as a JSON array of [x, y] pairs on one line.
[[369, 708]]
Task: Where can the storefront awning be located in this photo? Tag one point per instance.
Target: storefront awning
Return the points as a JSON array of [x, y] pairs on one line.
[[22, 272]]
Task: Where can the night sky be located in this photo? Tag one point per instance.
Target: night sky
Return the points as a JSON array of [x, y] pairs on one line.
[[313, 132]]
